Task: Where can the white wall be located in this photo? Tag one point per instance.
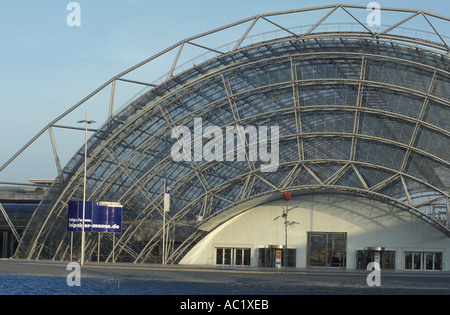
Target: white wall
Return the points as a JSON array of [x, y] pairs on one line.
[[368, 223]]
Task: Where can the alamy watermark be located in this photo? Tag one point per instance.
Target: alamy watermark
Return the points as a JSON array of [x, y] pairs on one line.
[[374, 278], [374, 17], [209, 144], [74, 277], [74, 17]]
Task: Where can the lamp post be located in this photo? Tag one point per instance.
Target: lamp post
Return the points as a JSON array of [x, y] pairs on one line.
[[287, 196], [86, 122]]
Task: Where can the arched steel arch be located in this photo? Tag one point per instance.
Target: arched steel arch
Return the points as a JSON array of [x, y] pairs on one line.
[[358, 112]]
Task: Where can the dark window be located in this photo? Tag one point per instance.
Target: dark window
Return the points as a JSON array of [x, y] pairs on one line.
[[233, 256], [423, 261], [267, 257], [385, 258], [326, 249]]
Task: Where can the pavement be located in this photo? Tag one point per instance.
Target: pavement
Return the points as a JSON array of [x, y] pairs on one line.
[[226, 275]]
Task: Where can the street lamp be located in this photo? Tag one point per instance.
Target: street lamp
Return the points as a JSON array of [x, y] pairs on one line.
[[284, 215], [86, 122]]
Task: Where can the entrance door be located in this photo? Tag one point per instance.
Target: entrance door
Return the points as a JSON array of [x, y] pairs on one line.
[[273, 256], [233, 256], [242, 256], [423, 261], [326, 249], [385, 258]]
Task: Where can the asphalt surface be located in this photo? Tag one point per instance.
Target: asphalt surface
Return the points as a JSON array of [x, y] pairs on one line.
[[301, 277]]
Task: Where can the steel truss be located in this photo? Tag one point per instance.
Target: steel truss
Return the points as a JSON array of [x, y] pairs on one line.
[[359, 112]]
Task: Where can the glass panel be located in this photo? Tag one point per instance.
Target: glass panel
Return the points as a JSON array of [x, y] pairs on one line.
[[364, 257], [227, 256], [336, 246], [291, 258], [429, 261], [267, 257], [437, 261], [423, 261], [388, 260], [219, 256], [247, 257], [318, 250], [238, 257], [262, 260], [327, 249], [361, 259], [417, 261], [408, 260]]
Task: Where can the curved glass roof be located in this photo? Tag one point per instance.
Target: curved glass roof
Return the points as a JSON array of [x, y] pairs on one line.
[[355, 113]]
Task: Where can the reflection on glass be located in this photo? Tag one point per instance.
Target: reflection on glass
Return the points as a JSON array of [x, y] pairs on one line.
[[327, 249]]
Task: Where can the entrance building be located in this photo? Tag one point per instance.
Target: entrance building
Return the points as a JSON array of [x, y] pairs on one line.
[[333, 231]]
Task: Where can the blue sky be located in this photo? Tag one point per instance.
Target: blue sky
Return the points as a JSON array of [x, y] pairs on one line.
[[47, 66]]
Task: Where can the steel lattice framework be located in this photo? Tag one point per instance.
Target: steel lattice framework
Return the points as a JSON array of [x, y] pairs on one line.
[[359, 112]]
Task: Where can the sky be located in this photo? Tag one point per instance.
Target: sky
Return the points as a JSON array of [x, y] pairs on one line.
[[48, 66]]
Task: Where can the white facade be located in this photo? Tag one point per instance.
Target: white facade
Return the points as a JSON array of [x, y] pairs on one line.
[[366, 224]]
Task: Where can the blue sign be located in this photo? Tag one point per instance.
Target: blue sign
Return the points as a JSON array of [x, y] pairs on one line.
[[99, 216]]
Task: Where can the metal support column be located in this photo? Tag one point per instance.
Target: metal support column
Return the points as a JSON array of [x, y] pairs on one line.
[[10, 224]]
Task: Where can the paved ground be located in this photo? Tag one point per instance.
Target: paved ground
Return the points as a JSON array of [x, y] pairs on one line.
[[305, 277]]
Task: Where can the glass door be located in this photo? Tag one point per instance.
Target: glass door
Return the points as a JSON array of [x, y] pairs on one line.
[[386, 258], [267, 257], [242, 256], [423, 261], [318, 250], [337, 244], [233, 256], [326, 249]]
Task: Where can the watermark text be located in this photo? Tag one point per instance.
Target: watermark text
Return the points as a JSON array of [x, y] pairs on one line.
[[74, 17], [374, 278], [374, 17], [74, 277], [209, 144]]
